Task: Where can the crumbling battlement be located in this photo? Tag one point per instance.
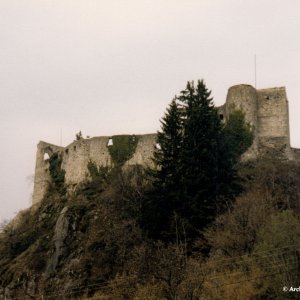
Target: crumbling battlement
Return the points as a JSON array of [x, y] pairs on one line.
[[265, 110], [42, 175], [76, 156]]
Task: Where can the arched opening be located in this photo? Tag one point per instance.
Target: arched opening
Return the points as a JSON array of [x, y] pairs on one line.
[[47, 152], [46, 156], [110, 142]]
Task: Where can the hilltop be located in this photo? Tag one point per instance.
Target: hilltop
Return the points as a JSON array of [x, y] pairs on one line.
[[207, 208]]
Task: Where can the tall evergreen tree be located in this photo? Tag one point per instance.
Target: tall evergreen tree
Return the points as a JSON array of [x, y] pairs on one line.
[[168, 150], [195, 161], [158, 211], [200, 155]]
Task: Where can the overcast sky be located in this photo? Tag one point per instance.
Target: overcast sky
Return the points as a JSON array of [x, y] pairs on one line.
[[112, 67]]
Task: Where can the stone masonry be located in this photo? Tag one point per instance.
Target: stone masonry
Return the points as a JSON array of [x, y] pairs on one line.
[[265, 110], [77, 155]]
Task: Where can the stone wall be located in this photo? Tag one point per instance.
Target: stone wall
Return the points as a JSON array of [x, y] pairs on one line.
[[144, 151], [273, 120], [273, 115], [77, 155], [75, 158]]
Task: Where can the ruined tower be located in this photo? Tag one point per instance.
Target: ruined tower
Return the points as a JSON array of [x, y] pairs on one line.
[[267, 113]]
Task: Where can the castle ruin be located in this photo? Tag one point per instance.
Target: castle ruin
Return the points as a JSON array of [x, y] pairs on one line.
[[266, 110]]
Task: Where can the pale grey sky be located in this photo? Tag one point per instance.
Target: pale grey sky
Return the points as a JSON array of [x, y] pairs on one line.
[[112, 67]]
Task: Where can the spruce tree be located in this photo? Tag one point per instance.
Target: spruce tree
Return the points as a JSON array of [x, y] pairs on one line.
[[200, 156], [195, 161], [168, 149], [163, 201]]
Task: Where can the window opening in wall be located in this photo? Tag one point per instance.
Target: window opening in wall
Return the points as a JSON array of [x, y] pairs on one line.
[[221, 116], [67, 151], [110, 142], [46, 156], [74, 148]]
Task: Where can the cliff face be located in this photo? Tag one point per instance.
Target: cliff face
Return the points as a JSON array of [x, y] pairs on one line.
[[71, 245]]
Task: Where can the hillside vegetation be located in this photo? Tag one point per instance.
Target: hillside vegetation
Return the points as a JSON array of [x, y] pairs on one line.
[[202, 225]]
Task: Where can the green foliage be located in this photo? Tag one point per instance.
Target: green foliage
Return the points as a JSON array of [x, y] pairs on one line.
[[123, 148], [56, 172], [194, 171], [195, 174], [100, 174], [157, 212], [201, 156], [168, 151], [100, 178], [238, 135]]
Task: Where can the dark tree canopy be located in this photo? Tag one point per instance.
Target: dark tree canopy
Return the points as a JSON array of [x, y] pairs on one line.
[[195, 161], [168, 148], [200, 155], [238, 134]]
